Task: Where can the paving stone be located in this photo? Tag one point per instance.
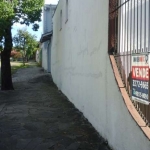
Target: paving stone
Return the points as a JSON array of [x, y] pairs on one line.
[[45, 146], [58, 147], [63, 126], [65, 141], [3, 147], [73, 146], [36, 116], [4, 135], [33, 143], [22, 143], [2, 106], [30, 126]]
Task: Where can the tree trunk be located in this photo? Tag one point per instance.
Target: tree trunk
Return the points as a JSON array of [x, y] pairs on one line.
[[24, 57], [23, 60], [6, 78]]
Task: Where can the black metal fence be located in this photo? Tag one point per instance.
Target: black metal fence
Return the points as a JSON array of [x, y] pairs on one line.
[[129, 32]]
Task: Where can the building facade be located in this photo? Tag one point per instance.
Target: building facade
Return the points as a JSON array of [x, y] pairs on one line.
[[46, 38], [82, 70]]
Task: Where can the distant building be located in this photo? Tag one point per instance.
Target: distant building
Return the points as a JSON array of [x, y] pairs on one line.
[[46, 37]]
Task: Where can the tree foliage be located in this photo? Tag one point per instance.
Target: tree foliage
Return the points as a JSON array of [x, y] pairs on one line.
[[25, 43], [20, 11], [15, 11]]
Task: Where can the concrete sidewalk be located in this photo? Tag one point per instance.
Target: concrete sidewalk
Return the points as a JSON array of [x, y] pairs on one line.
[[36, 116]]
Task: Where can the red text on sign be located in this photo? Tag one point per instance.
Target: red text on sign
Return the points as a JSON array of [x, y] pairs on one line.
[[140, 72]]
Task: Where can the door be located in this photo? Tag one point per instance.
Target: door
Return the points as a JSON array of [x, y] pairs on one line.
[[49, 57]]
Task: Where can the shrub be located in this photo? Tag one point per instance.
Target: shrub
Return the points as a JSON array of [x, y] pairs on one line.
[[16, 55]]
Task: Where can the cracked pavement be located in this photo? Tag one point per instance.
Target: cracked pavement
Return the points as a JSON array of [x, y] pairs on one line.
[[37, 116]]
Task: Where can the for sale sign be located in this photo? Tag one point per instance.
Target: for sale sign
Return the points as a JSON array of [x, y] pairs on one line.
[[140, 78]]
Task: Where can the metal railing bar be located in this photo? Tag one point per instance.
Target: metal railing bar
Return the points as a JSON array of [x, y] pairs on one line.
[[119, 29], [115, 29], [131, 34], [134, 28], [132, 31], [132, 53], [137, 24], [119, 6], [122, 8], [122, 55], [145, 27], [141, 28], [149, 28], [127, 46]]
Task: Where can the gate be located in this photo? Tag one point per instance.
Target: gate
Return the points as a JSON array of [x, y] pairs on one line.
[[129, 33]]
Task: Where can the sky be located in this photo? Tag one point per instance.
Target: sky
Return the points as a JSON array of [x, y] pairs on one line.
[[38, 33]]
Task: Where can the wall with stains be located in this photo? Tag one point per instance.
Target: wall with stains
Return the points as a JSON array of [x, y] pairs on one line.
[[82, 71]]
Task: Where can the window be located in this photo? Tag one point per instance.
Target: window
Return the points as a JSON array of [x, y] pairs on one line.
[[66, 10], [60, 19]]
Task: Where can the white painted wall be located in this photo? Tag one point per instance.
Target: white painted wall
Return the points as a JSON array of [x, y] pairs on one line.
[[81, 69], [37, 56], [48, 12], [44, 55]]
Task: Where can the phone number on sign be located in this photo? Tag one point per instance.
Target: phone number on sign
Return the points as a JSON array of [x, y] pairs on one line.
[[140, 94], [140, 84]]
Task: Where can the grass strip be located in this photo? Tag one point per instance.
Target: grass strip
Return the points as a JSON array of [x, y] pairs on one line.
[[14, 68]]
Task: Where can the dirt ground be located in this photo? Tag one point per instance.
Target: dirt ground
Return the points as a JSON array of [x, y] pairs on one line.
[[36, 116]]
